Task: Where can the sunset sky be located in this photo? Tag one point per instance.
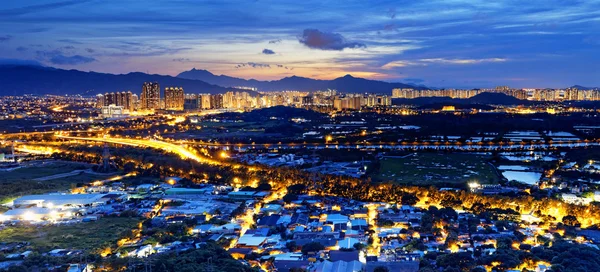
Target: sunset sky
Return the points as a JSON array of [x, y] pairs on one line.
[[435, 43]]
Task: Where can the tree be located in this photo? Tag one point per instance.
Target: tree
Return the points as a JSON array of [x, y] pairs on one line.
[[359, 246], [571, 221], [409, 199], [381, 269], [290, 197], [461, 260], [291, 246], [312, 247]]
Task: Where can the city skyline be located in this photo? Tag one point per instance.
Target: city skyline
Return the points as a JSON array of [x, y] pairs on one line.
[[460, 44]]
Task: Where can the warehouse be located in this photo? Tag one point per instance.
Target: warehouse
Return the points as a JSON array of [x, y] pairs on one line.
[[60, 200]]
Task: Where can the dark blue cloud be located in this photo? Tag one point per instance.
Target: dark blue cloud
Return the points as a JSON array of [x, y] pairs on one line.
[[5, 38], [38, 8], [316, 39], [57, 57], [268, 51]]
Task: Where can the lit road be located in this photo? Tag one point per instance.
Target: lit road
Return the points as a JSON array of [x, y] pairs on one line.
[[180, 150], [403, 146]]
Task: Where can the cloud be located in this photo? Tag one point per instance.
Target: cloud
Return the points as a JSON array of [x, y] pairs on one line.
[[139, 49], [253, 65], [89, 50], [275, 41], [425, 62], [315, 39], [390, 27], [182, 60], [5, 38], [39, 8], [22, 49], [69, 47], [391, 13], [401, 63], [69, 41], [413, 80], [462, 61], [268, 51], [57, 57]]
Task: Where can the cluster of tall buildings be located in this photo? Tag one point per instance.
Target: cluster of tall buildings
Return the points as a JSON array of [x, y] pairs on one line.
[[126, 100], [357, 101], [174, 99], [524, 94]]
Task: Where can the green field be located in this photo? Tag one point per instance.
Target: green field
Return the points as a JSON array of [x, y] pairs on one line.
[[21, 181], [84, 236], [436, 169]]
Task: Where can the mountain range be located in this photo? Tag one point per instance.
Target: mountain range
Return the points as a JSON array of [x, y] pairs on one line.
[[346, 84], [32, 79], [579, 87]]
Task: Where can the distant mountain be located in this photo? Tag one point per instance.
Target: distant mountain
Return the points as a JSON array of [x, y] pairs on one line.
[[482, 98], [579, 87], [347, 84], [31, 79]]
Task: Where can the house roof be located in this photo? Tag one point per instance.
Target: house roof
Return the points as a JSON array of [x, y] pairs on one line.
[[249, 240], [411, 266], [299, 218], [348, 243], [348, 256], [339, 266], [285, 266], [270, 220]]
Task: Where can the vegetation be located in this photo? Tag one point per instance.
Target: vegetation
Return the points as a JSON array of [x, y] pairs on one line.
[[84, 236], [451, 169], [21, 181]]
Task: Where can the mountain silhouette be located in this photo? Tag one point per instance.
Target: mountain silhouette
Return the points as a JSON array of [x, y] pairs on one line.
[[346, 84], [32, 79]]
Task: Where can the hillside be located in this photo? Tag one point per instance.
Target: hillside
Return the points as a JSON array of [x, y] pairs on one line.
[[23, 79], [347, 84], [483, 98]]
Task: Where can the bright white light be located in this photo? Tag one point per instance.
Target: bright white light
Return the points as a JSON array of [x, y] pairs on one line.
[[29, 216], [473, 185]]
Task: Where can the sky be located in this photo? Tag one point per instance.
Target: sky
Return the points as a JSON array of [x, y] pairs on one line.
[[444, 44]]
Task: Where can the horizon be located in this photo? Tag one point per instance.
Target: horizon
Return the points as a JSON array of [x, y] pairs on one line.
[[33, 64], [461, 44]]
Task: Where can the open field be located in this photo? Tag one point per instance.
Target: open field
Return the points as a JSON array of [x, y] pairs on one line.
[[83, 236], [22, 181], [436, 169]]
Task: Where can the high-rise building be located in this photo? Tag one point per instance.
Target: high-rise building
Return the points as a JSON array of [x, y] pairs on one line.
[[150, 96], [216, 101], [205, 104], [123, 99], [174, 98], [100, 100], [192, 102]]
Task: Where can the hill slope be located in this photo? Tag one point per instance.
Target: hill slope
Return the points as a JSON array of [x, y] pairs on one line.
[[482, 99], [347, 84], [22, 79]]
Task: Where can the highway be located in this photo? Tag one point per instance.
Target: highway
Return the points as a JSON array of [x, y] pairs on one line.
[[180, 150], [403, 146]]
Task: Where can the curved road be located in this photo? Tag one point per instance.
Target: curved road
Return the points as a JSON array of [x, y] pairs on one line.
[[180, 150]]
